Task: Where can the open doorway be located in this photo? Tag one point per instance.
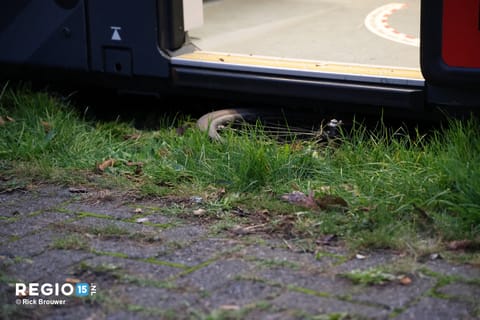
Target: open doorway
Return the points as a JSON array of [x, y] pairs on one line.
[[371, 32]]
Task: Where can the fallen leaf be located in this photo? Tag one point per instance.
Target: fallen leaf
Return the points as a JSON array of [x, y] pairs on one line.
[[404, 280], [199, 212], [77, 190], [325, 189], [2, 122], [105, 164], [463, 245], [138, 165], [351, 188], [141, 220], [249, 229], [47, 127], [131, 164], [367, 209], [331, 201], [360, 256], [229, 308], [134, 136], [10, 119], [21, 295], [435, 256], [72, 280], [327, 239], [301, 199], [138, 210]]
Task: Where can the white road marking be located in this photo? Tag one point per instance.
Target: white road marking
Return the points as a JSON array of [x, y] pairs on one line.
[[377, 23]]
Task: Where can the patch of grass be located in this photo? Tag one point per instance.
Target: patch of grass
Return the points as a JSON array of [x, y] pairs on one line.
[[109, 231], [71, 242], [369, 277], [400, 187], [272, 263]]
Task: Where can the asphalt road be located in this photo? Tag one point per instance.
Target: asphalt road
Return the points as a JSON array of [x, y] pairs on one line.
[[377, 32]]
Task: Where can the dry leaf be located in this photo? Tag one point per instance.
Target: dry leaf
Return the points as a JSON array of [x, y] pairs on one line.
[[77, 190], [47, 127], [327, 239], [331, 201], [105, 164], [199, 212], [141, 220], [435, 256], [249, 229], [134, 136], [405, 280], [301, 199], [131, 164], [10, 119], [2, 122], [229, 308], [463, 245], [72, 280], [351, 188], [325, 189], [360, 256]]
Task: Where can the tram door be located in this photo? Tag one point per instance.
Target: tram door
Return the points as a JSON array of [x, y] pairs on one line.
[[450, 51]]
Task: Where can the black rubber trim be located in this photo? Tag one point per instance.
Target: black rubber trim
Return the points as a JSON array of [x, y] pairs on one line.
[[277, 86]]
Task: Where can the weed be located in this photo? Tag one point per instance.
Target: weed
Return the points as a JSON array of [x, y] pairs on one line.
[[369, 277], [278, 264], [71, 242]]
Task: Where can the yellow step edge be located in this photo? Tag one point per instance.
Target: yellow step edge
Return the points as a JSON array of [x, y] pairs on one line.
[[304, 65]]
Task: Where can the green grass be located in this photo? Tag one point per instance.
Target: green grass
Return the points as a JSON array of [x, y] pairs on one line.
[[400, 188], [369, 277]]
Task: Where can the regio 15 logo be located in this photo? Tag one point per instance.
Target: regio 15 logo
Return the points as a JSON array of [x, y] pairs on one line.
[[33, 289]]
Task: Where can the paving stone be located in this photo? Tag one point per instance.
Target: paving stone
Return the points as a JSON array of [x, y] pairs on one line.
[[183, 234], [392, 295], [315, 305], [466, 271], [74, 313], [122, 315], [137, 269], [199, 251], [40, 199], [437, 309], [462, 291], [29, 224], [31, 245], [240, 293], [111, 209], [99, 223], [319, 283], [372, 260], [159, 219], [127, 247], [158, 298], [216, 274], [279, 255], [273, 315], [50, 266]]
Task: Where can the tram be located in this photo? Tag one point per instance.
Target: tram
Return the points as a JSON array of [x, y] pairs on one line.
[[144, 47]]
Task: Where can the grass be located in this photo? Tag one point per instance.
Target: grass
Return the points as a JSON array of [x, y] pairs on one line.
[[369, 277], [400, 188]]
